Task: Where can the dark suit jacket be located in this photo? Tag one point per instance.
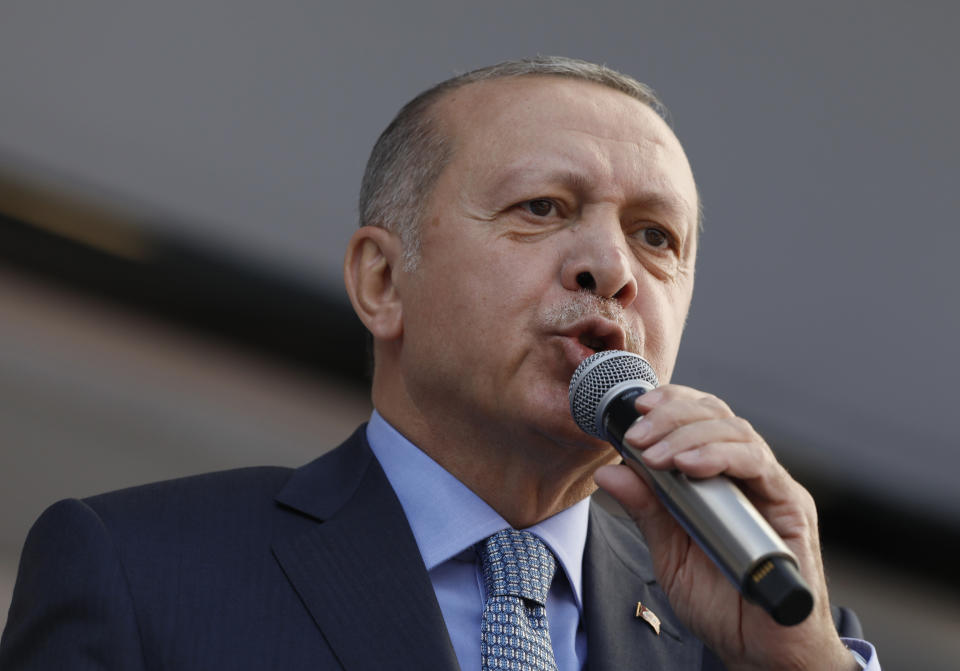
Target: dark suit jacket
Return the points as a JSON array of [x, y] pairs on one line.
[[268, 568]]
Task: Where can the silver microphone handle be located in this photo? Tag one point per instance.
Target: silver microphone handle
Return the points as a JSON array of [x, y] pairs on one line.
[[717, 516]]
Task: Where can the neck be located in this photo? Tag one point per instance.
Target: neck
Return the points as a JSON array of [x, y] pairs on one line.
[[524, 476], [522, 493]]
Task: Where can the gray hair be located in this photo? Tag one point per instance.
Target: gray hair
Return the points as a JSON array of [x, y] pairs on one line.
[[412, 152]]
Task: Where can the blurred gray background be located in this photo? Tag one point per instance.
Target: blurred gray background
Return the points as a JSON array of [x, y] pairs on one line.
[[822, 134]]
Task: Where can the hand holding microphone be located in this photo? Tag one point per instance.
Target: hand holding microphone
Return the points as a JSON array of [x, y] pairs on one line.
[[713, 510]]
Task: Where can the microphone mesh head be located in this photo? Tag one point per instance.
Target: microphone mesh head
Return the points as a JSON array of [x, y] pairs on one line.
[[595, 376]]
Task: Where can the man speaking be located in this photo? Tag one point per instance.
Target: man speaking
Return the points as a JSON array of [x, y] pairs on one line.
[[514, 221]]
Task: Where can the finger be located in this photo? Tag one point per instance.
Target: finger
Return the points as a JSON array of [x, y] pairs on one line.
[[675, 392], [639, 500], [711, 459], [627, 488], [690, 436], [752, 463], [666, 415]]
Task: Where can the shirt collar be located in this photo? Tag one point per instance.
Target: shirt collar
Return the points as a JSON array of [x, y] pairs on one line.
[[447, 518]]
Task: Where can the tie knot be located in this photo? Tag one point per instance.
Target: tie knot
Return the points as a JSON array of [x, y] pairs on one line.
[[517, 563]]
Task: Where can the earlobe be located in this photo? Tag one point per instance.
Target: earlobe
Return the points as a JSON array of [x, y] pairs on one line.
[[372, 257]]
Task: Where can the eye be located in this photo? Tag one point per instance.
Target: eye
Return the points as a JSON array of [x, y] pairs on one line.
[[656, 238], [540, 207]]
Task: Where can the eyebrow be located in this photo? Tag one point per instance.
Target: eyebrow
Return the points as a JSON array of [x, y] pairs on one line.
[[666, 203], [570, 178]]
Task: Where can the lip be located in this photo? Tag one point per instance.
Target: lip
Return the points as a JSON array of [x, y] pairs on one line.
[[587, 333]]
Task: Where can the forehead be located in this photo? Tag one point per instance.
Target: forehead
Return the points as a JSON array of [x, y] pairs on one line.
[[531, 124]]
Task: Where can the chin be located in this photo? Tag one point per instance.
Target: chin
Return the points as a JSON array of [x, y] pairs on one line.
[[565, 432], [546, 408]]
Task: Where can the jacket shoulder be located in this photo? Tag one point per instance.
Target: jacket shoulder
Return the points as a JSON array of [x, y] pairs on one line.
[[240, 487]]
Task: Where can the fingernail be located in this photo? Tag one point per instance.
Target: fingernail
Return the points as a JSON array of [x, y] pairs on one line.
[[638, 431], [657, 452], [647, 399]]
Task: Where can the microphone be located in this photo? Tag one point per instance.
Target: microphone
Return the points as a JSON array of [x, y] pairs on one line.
[[713, 511]]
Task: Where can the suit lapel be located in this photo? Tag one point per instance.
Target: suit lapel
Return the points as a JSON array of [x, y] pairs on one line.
[[356, 566], [618, 573]]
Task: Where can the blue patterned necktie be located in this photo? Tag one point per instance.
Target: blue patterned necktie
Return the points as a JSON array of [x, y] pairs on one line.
[[517, 571]]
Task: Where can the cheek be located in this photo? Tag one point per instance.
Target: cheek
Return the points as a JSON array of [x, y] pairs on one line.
[[506, 275], [487, 287], [663, 309], [468, 310]]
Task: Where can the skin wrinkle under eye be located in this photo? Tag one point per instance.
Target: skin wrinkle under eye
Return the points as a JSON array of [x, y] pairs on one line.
[[554, 206], [663, 260], [665, 203], [653, 208]]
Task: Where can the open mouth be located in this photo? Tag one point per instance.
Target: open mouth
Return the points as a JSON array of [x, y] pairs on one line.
[[593, 334], [595, 343], [599, 335]]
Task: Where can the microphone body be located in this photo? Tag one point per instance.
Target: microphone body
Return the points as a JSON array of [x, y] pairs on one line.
[[713, 511]]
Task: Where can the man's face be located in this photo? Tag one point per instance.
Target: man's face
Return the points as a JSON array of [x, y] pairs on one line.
[[558, 190]]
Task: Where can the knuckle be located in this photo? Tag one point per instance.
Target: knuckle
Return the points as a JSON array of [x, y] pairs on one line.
[[714, 452], [805, 499], [769, 459], [709, 400], [715, 404], [742, 427], [668, 416]]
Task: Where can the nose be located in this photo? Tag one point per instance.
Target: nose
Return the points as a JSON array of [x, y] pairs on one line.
[[599, 261]]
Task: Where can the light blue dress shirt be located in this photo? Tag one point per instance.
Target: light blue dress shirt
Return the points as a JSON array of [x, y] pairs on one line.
[[448, 520]]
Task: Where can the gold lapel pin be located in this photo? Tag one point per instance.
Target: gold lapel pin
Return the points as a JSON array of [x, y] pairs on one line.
[[648, 616]]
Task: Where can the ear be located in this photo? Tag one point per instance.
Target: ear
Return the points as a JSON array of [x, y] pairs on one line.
[[373, 256]]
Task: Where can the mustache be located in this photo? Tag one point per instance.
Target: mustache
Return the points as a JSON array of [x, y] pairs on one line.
[[586, 304]]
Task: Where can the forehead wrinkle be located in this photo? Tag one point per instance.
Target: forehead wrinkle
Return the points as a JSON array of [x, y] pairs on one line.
[[646, 181], [646, 157], [580, 166]]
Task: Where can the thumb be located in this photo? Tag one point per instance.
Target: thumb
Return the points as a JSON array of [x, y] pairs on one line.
[[639, 500]]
